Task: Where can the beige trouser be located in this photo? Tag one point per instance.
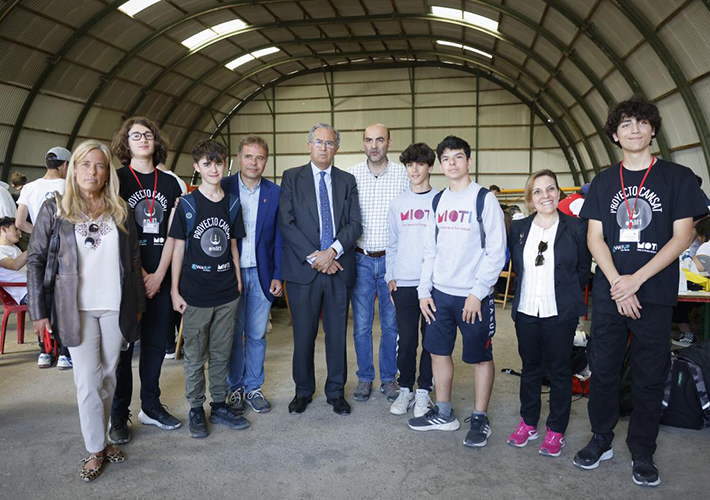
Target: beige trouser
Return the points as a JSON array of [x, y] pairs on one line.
[[95, 361]]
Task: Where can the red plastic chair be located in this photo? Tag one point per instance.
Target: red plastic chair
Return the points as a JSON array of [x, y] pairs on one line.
[[11, 307]]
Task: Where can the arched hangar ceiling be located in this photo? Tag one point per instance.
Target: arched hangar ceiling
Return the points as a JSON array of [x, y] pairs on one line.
[[67, 65]]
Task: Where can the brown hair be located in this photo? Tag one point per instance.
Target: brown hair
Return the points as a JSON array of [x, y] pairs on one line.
[[18, 179], [529, 186], [120, 147], [253, 139]]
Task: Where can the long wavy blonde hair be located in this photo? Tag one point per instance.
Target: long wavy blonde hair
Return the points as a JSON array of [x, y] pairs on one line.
[[74, 206]]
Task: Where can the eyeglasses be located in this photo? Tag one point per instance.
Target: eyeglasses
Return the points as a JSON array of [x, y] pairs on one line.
[[136, 136], [90, 241], [540, 259], [319, 144]]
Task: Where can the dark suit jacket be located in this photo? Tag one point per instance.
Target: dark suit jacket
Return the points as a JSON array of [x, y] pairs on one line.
[[300, 227], [572, 263], [268, 237]]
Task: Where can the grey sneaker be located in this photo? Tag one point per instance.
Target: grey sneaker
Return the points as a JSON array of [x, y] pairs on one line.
[[434, 421], [236, 401], [257, 401], [363, 390], [479, 432], [390, 390]]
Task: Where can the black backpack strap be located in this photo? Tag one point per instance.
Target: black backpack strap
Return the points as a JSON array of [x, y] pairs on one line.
[[669, 384], [234, 207], [480, 205], [434, 205], [189, 205]]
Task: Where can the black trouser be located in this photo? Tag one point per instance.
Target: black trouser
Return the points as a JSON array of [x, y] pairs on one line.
[[540, 341], [156, 325], [409, 319], [330, 294], [650, 360]]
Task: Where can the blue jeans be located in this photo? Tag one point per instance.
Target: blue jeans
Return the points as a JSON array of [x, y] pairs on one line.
[[246, 363], [371, 281]]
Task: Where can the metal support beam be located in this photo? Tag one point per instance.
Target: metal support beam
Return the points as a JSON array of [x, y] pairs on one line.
[[674, 69], [532, 135], [412, 77], [5, 10], [273, 128], [566, 144], [478, 119]]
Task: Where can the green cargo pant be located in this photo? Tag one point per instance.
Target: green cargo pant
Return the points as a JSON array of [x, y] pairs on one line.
[[207, 333]]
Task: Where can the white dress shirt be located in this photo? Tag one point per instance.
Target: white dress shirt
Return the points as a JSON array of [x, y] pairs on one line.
[[336, 245], [537, 293]]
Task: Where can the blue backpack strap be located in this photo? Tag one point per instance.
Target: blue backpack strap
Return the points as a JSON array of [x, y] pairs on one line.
[[480, 205], [434, 204], [189, 205]]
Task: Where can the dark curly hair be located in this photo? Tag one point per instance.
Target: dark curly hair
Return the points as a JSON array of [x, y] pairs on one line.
[[120, 147], [637, 107], [418, 152], [453, 142]]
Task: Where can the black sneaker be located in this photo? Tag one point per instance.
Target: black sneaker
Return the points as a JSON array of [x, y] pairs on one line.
[[236, 400], [597, 450], [160, 418], [118, 432], [477, 436], [645, 471], [434, 421], [197, 425], [223, 414]]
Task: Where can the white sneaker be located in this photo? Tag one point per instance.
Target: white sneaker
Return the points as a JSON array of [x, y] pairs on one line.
[[404, 402], [64, 363], [422, 403], [44, 360], [685, 340], [269, 327]]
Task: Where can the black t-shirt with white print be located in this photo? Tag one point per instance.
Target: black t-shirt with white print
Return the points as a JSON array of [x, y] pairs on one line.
[[167, 191], [208, 276], [671, 192]]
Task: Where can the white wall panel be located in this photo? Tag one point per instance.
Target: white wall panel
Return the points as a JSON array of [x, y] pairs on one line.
[[694, 160], [504, 137], [100, 124], [688, 38], [53, 114], [503, 161], [648, 68], [372, 102], [12, 100], [302, 91], [33, 145], [505, 115], [543, 138], [444, 100], [679, 128], [618, 87], [550, 159]]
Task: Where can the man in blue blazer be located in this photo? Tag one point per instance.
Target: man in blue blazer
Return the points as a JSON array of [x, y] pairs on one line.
[[260, 262], [320, 222]]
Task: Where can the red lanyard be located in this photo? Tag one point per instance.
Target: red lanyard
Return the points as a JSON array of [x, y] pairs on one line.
[[623, 190], [155, 187]]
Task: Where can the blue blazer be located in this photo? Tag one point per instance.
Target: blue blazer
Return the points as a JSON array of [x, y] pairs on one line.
[[268, 237], [572, 263]]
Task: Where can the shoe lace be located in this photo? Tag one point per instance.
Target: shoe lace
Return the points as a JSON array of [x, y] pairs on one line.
[[552, 437], [198, 416], [476, 422], [362, 385], [235, 397], [256, 393], [422, 400]]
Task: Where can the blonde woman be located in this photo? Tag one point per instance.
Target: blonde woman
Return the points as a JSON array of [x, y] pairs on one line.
[[98, 288]]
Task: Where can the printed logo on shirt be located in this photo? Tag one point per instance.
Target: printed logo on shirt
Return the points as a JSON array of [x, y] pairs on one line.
[[198, 267], [48, 195], [213, 235], [224, 267], [137, 201], [158, 241], [455, 216], [142, 242], [414, 214], [621, 248], [647, 247], [648, 202]]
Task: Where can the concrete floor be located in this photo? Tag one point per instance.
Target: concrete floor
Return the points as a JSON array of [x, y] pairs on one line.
[[317, 455]]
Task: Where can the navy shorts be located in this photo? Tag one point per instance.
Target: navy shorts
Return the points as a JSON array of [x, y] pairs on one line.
[[477, 336]]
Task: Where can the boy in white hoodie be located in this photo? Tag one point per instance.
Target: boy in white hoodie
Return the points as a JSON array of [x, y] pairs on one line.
[[464, 253]]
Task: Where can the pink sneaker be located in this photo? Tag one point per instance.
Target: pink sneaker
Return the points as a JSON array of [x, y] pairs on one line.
[[522, 434], [553, 444]]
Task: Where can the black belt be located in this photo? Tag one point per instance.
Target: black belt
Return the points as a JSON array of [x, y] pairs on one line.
[[370, 254]]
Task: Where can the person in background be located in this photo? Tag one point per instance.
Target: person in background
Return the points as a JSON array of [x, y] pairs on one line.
[[571, 205], [552, 264], [18, 181], [32, 196], [495, 190], [100, 296], [408, 216], [12, 260]]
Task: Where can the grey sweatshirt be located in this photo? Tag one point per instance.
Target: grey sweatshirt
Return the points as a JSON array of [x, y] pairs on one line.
[[454, 261], [408, 216]]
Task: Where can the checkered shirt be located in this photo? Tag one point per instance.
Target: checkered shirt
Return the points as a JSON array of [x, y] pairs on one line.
[[375, 194]]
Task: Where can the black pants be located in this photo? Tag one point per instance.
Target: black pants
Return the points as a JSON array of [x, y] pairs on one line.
[[329, 294], [409, 323], [545, 341], [650, 361], [155, 328]]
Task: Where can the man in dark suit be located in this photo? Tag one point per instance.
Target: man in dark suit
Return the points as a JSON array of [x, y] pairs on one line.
[[260, 262], [319, 218]]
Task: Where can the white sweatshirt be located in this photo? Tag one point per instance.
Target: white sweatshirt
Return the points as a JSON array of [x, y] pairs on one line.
[[454, 261], [408, 216]]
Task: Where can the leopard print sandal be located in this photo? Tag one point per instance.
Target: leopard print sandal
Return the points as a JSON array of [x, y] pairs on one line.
[[88, 475], [114, 457]]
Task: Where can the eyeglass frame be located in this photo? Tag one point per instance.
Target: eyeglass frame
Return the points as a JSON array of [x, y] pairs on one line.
[[541, 248], [318, 143], [137, 136]]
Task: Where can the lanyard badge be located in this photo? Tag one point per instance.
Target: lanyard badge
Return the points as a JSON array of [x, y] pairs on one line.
[[150, 226], [629, 234]]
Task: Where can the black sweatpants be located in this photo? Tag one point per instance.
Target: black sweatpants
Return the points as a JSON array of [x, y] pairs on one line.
[[156, 326], [540, 341], [409, 324], [650, 361]]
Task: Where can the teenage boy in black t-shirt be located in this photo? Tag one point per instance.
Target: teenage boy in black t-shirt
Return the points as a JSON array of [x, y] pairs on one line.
[[206, 285], [640, 220], [151, 194]]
